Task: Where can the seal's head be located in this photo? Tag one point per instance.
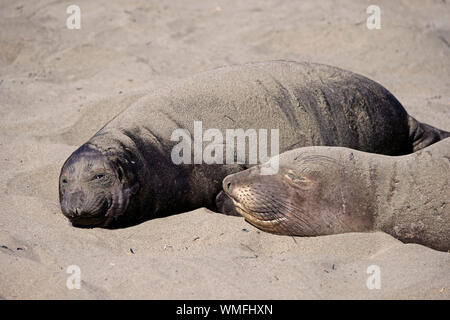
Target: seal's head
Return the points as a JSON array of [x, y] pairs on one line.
[[93, 189], [310, 195]]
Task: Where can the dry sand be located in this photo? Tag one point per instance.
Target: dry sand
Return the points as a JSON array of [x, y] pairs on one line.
[[59, 86]]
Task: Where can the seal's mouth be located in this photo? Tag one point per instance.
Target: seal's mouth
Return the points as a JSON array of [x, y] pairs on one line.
[[101, 211], [268, 221], [96, 216], [265, 202], [88, 222]]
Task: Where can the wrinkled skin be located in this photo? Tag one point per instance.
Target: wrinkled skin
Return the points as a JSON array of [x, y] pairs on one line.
[[330, 190], [310, 104], [93, 190], [301, 199]]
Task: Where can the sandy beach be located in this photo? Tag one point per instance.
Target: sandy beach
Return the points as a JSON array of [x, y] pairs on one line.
[[59, 86]]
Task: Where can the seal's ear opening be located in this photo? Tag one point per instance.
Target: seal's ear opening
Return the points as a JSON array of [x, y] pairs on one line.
[[135, 188], [118, 167], [120, 173]]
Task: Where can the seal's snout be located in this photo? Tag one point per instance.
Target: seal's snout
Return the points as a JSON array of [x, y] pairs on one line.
[[73, 204], [230, 186], [83, 207], [76, 201], [84, 211], [237, 184], [227, 185]]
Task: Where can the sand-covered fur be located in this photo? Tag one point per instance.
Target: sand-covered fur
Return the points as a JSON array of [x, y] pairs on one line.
[[309, 104], [330, 190], [58, 87]]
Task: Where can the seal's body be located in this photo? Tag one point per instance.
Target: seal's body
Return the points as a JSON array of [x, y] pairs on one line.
[[329, 190], [310, 104]]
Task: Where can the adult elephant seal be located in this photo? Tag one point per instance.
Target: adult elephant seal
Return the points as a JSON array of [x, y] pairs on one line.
[[329, 190], [125, 174]]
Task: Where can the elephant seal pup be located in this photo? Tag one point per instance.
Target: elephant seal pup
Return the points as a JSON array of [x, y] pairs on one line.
[[329, 190], [125, 174]]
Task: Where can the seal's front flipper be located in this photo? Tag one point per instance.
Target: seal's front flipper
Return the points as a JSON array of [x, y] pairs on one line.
[[225, 205], [422, 135]]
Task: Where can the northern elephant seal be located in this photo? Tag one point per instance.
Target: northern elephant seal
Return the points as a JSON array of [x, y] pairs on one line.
[[310, 104], [329, 190]]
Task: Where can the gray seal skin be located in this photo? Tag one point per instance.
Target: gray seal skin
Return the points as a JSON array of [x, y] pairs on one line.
[[310, 104], [329, 190]]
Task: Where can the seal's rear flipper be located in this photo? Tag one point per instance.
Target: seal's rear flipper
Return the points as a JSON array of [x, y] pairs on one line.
[[422, 135]]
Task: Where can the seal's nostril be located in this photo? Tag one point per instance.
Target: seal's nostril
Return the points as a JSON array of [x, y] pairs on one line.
[[228, 185], [77, 211]]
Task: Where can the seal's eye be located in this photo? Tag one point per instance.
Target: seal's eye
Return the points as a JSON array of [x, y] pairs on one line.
[[297, 178], [103, 179], [292, 176], [64, 181]]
